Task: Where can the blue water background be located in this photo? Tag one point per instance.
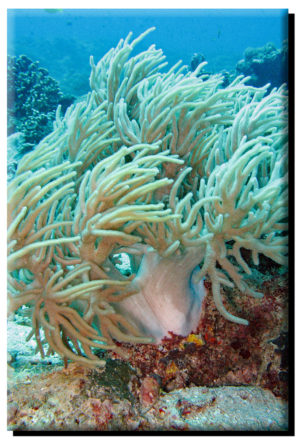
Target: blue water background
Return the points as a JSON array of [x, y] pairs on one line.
[[63, 40]]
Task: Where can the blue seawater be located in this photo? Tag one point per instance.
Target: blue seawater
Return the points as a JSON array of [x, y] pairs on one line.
[[63, 40]]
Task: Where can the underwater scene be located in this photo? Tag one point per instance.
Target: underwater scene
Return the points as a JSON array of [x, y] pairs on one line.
[[147, 197]]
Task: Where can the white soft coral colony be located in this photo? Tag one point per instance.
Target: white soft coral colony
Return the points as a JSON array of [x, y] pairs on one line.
[[166, 167]]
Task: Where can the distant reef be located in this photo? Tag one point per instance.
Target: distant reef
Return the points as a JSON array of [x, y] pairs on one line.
[[32, 99], [264, 65]]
